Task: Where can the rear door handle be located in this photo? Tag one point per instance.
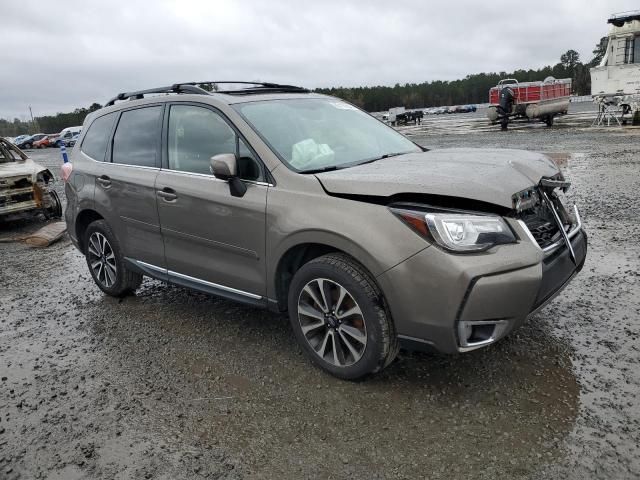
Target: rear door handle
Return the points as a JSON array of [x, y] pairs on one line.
[[168, 194], [104, 180]]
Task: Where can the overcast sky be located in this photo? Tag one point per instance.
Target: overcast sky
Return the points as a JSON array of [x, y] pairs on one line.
[[56, 56]]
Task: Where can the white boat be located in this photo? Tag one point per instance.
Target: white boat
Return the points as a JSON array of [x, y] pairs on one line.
[[616, 81]]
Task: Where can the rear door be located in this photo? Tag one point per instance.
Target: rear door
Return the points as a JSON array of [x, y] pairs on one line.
[[125, 183], [213, 241]]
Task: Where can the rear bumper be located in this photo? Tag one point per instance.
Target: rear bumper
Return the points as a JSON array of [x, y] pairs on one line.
[[434, 295], [71, 214]]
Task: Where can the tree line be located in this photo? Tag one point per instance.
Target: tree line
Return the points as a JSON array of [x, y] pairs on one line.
[[471, 89], [46, 124]]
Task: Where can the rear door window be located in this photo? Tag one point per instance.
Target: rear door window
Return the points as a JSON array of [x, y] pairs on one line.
[[97, 138], [137, 137]]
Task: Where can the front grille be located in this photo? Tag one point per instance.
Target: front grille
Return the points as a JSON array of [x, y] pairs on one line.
[[541, 223], [544, 231], [15, 190], [21, 181]]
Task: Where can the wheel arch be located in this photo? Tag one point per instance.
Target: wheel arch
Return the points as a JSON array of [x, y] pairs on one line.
[[85, 218], [305, 247]]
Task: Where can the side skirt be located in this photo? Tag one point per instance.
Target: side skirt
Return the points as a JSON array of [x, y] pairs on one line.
[[204, 286]]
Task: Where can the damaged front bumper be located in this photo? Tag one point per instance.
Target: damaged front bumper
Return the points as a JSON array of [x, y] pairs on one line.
[[458, 303]]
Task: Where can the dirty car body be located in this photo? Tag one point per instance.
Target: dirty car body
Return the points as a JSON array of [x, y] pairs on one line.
[[25, 186], [366, 239]]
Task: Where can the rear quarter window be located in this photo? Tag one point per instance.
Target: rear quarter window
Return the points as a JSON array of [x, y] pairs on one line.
[[97, 137]]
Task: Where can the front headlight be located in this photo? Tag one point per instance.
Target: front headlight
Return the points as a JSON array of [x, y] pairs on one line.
[[459, 232]]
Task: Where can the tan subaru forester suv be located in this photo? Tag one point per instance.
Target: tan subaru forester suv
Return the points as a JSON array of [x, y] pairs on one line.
[[302, 203]]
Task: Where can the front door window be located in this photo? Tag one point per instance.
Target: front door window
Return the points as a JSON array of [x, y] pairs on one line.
[[196, 134]]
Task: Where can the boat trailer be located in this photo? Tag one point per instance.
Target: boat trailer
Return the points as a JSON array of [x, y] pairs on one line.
[[513, 100]]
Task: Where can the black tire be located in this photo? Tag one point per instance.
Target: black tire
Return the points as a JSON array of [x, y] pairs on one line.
[[549, 121], [381, 340], [125, 281], [27, 146]]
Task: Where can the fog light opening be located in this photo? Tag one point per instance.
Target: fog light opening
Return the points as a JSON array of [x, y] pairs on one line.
[[480, 333]]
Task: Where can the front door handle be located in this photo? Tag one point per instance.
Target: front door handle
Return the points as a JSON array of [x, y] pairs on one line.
[[104, 180], [168, 194]]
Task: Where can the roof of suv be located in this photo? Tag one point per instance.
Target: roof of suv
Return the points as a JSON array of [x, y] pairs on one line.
[[265, 91]]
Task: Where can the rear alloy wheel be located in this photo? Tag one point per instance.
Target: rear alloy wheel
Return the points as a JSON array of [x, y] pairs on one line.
[[106, 263], [339, 317], [102, 260]]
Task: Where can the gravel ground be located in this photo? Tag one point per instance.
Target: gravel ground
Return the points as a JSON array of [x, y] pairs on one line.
[[172, 384]]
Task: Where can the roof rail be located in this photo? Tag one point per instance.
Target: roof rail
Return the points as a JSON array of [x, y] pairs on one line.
[[175, 88], [258, 87], [195, 88]]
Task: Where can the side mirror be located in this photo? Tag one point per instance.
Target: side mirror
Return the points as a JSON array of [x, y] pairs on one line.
[[225, 167]]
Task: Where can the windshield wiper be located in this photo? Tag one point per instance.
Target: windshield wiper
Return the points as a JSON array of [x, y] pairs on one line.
[[348, 165], [381, 157], [320, 170]]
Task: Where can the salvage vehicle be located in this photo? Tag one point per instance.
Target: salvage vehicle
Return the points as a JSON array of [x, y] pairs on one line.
[[303, 203], [25, 186]]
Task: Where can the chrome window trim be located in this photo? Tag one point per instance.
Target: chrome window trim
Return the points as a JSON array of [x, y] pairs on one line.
[[263, 184], [115, 163], [131, 166], [212, 176], [119, 164]]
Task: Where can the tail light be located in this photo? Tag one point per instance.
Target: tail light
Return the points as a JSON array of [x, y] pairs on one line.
[[66, 170]]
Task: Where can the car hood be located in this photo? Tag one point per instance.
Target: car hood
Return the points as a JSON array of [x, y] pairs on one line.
[[20, 167], [487, 175]]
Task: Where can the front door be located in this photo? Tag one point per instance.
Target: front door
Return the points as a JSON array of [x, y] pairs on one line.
[[211, 239]]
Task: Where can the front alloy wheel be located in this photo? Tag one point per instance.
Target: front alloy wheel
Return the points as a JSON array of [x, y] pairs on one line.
[[332, 322], [340, 317]]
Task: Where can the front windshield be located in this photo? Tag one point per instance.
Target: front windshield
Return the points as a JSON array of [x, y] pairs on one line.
[[312, 134]]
